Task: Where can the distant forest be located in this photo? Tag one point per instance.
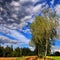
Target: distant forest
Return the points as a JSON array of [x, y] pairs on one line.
[[17, 52]]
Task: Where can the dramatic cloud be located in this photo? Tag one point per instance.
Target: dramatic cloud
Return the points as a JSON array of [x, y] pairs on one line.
[[14, 15], [4, 40], [17, 14], [37, 9], [14, 12], [18, 36], [57, 9]]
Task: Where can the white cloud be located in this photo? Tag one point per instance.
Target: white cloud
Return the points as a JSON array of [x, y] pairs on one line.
[[24, 0], [29, 1], [4, 40], [31, 48], [57, 9], [1, 9], [14, 3], [52, 2], [35, 1], [19, 37], [19, 13], [27, 31], [26, 19], [55, 48], [21, 10], [37, 9]]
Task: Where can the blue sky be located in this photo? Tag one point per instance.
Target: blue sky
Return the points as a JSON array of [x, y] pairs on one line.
[[16, 16]]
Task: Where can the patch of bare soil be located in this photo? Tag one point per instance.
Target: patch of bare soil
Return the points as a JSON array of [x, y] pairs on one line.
[[31, 58]]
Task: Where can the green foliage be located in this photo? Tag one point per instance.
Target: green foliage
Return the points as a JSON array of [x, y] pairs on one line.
[[28, 52], [18, 52], [57, 53], [43, 31], [8, 51], [1, 51]]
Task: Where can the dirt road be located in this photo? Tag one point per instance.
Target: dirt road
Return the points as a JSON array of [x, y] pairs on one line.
[[3, 58]]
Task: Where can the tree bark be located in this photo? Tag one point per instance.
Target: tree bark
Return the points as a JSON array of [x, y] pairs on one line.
[[38, 51], [20, 51], [46, 50]]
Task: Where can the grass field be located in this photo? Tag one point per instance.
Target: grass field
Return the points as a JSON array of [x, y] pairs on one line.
[[32, 58], [28, 58], [56, 57], [52, 57]]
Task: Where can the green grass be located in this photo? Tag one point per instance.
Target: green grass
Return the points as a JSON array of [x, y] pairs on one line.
[[20, 58], [53, 57], [56, 57]]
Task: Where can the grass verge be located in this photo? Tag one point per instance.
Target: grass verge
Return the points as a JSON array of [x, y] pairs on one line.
[[25, 57]]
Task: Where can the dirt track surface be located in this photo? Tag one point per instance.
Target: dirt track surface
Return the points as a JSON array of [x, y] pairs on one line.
[[31, 59], [7, 58]]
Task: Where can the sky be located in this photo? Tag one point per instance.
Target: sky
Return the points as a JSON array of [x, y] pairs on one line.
[[17, 15]]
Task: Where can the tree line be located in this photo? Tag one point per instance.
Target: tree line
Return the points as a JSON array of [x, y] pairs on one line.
[[17, 52], [57, 53]]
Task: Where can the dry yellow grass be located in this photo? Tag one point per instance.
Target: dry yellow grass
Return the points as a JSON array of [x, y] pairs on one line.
[[7, 58], [23, 58]]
